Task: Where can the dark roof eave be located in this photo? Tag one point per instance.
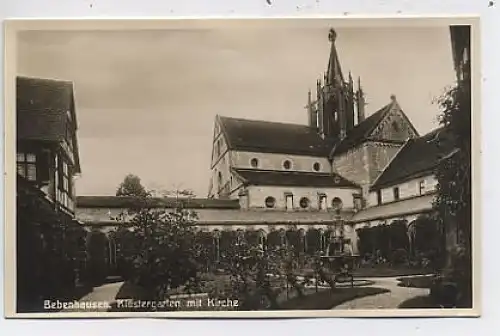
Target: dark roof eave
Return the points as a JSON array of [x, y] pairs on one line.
[[319, 153], [170, 203]]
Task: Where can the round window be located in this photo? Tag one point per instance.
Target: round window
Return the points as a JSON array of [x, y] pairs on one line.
[[304, 202], [270, 202], [287, 164], [336, 203], [316, 166], [254, 162]]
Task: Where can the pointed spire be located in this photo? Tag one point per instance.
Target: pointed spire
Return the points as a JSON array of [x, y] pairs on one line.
[[351, 85], [334, 72], [360, 102]]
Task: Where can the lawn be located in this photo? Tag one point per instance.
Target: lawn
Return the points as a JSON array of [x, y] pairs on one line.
[[387, 271], [327, 299], [419, 302], [416, 282]]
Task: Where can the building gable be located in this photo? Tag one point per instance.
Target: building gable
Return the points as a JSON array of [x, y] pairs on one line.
[[393, 126], [219, 144]]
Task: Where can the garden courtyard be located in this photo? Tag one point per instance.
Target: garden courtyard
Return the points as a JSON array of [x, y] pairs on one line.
[[364, 293]]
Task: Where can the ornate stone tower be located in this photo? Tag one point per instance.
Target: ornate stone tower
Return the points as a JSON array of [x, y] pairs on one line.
[[333, 112]]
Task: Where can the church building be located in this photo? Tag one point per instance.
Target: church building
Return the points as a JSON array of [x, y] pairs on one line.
[[337, 156], [376, 167]]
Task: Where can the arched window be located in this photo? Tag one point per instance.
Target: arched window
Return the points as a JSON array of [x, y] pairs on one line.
[[316, 166], [254, 163], [287, 164], [270, 202], [395, 126], [304, 202]]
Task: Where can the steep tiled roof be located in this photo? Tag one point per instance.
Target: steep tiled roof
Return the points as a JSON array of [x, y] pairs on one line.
[[129, 201], [273, 137], [418, 156], [41, 107], [395, 209], [361, 131], [293, 178]]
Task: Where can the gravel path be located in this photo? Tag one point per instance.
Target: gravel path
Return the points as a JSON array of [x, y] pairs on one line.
[[389, 300]]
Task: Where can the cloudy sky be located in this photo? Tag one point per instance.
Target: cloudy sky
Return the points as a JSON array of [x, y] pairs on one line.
[[146, 99]]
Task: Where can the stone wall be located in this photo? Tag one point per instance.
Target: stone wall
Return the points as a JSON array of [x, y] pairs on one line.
[[258, 195], [407, 189], [271, 161], [353, 165], [379, 156]]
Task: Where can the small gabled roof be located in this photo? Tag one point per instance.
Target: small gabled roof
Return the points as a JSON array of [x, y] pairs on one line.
[[273, 137], [294, 179], [362, 131], [41, 108], [418, 157]]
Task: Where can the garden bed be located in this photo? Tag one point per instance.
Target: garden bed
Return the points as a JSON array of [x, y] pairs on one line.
[[328, 299]]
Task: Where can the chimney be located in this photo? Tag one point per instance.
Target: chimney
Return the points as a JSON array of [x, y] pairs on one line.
[[360, 99]]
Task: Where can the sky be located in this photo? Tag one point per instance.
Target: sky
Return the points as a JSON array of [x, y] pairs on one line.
[[146, 100]]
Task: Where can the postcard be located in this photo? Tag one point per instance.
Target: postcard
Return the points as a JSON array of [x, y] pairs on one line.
[[280, 167]]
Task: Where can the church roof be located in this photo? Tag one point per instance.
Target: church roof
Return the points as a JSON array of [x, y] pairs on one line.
[[273, 137], [418, 157], [361, 131], [293, 178]]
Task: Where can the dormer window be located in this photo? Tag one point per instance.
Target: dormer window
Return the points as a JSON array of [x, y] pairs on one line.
[[287, 164]]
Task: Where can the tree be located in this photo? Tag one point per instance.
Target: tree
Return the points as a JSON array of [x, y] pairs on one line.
[[131, 186], [453, 203], [162, 252]]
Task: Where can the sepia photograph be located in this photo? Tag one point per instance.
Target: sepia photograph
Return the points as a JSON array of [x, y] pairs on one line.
[[242, 167]]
